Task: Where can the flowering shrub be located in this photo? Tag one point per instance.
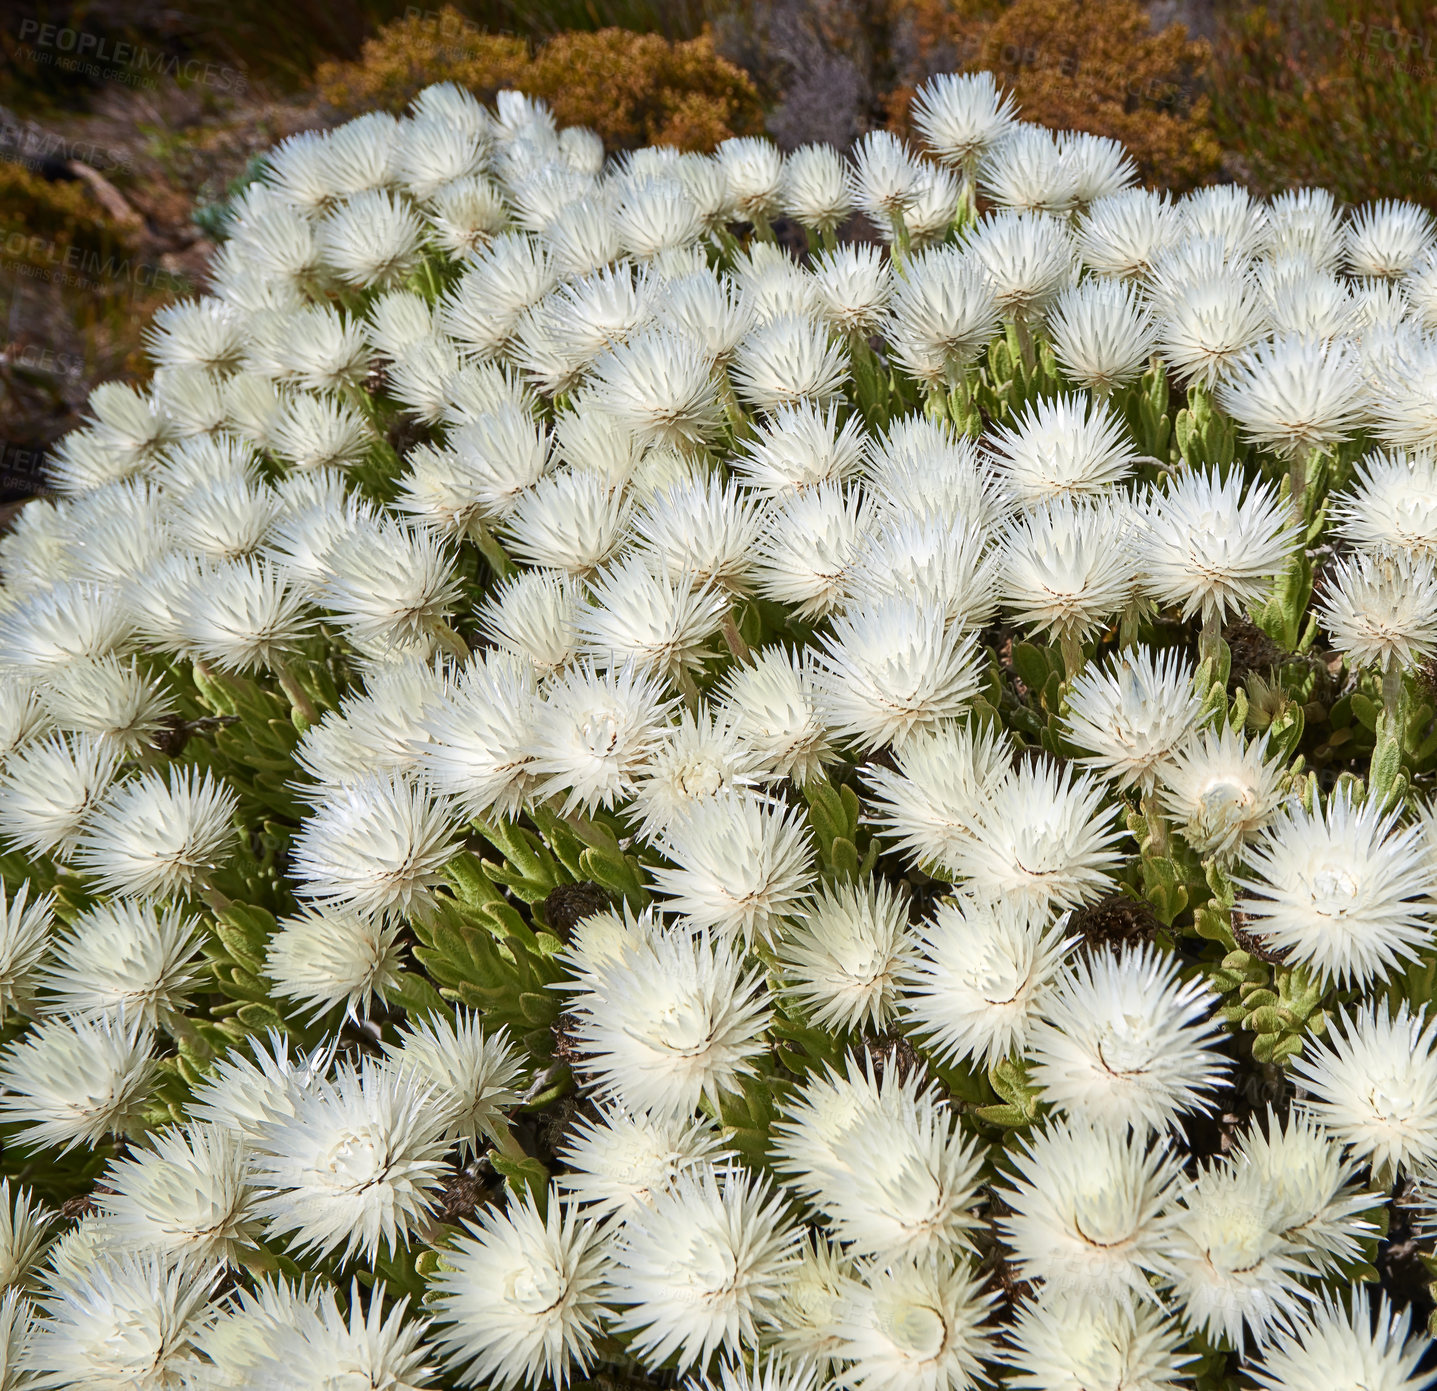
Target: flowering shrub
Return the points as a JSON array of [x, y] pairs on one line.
[[633, 89], [583, 798]]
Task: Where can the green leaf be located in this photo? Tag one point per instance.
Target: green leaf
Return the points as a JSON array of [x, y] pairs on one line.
[[1031, 664]]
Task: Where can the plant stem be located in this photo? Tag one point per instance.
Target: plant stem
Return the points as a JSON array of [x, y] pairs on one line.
[[1025, 343], [734, 638], [684, 680], [1157, 823], [298, 696], [1072, 653], [1297, 481], [1392, 693], [1210, 635], [450, 641], [494, 553]]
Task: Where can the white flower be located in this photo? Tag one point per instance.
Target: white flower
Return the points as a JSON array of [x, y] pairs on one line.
[[1234, 1271], [894, 668], [465, 215], [1221, 790], [534, 615], [1329, 1345], [323, 957], [124, 959], [1123, 1041], [1295, 393], [1064, 1344], [660, 385], [1025, 169], [773, 708], [1381, 610], [1134, 714], [1211, 549], [798, 446], [201, 332], [479, 733], [594, 734], [702, 1268], [621, 1161], [1400, 385], [1207, 323], [701, 758], [659, 624], [787, 360], [1304, 222], [885, 1162], [1028, 259], [921, 468], [980, 978], [470, 1076], [126, 1321], [112, 700], [1372, 1082], [188, 1197], [312, 432], [884, 176], [654, 216], [1341, 890], [960, 117], [70, 621], [1393, 505], [815, 189], [242, 615], [1062, 446], [285, 1340], [1091, 1212], [854, 284], [73, 1082], [1123, 234], [1103, 333], [715, 311], [670, 1020], [1067, 566], [943, 315], [50, 788], [570, 521], [378, 846], [355, 1167], [483, 310], [926, 559], [753, 169], [1040, 837], [929, 801], [842, 956], [517, 1298], [246, 1096], [389, 585], [26, 925], [807, 1316], [372, 239], [808, 546], [24, 1234], [1386, 239], [914, 1327], [1317, 1199], [1098, 165], [700, 530], [152, 836]]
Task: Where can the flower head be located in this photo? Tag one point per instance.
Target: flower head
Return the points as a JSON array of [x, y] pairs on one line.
[[518, 1299]]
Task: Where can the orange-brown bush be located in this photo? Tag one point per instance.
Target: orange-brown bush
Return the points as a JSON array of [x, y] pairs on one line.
[[633, 89], [1095, 67]]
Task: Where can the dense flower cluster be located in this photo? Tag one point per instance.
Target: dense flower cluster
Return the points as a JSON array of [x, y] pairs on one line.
[[584, 794]]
